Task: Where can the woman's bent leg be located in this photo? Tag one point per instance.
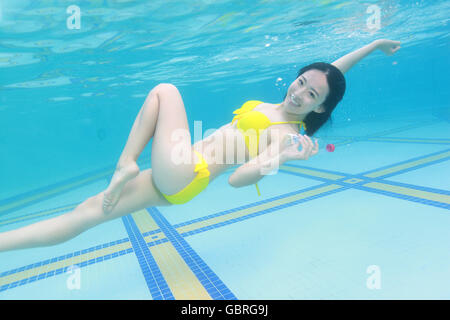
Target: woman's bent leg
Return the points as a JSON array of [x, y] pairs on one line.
[[142, 131], [139, 193], [143, 128], [173, 159]]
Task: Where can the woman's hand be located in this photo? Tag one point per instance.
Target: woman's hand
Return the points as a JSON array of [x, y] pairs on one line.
[[309, 149], [389, 47]]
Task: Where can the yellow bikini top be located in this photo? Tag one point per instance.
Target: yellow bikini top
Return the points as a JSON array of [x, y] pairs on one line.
[[251, 123]]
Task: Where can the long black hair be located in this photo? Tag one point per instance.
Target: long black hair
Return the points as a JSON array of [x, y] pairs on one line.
[[336, 85]]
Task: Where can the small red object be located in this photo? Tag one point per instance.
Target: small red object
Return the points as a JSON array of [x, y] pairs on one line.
[[330, 147]]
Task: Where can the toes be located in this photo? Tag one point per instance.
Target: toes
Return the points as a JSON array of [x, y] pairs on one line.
[[109, 202], [108, 205]]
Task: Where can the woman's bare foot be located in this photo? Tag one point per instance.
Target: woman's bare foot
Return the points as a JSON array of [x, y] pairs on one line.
[[123, 173]]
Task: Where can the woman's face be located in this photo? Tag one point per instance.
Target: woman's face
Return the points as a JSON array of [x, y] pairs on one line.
[[307, 93]]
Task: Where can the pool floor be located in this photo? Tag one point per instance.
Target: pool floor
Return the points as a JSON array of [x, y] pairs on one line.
[[367, 221]]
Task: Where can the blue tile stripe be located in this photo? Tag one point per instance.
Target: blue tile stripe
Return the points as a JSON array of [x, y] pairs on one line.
[[148, 233], [70, 255], [38, 215], [382, 179], [412, 186], [63, 257], [364, 180], [292, 164], [258, 213], [408, 161], [153, 277], [363, 174], [210, 281], [379, 134], [405, 197], [410, 140], [310, 177], [359, 186], [44, 193], [48, 192], [63, 270], [400, 129]]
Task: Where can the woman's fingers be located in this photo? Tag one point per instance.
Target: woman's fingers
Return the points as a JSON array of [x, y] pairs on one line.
[[310, 143], [316, 147], [394, 49], [302, 153], [307, 146], [389, 47], [303, 143]]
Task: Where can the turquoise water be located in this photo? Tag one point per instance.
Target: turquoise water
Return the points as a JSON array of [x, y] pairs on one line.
[[69, 96]]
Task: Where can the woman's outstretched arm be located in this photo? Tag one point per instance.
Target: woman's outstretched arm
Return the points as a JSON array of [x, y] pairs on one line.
[[345, 63], [138, 193]]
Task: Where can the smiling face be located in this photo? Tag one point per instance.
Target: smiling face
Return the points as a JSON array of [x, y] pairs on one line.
[[306, 94]]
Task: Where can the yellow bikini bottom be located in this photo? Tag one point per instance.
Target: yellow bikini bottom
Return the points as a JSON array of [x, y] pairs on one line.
[[196, 186]]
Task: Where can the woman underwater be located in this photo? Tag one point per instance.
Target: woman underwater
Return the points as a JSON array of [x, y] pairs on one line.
[[309, 102]]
